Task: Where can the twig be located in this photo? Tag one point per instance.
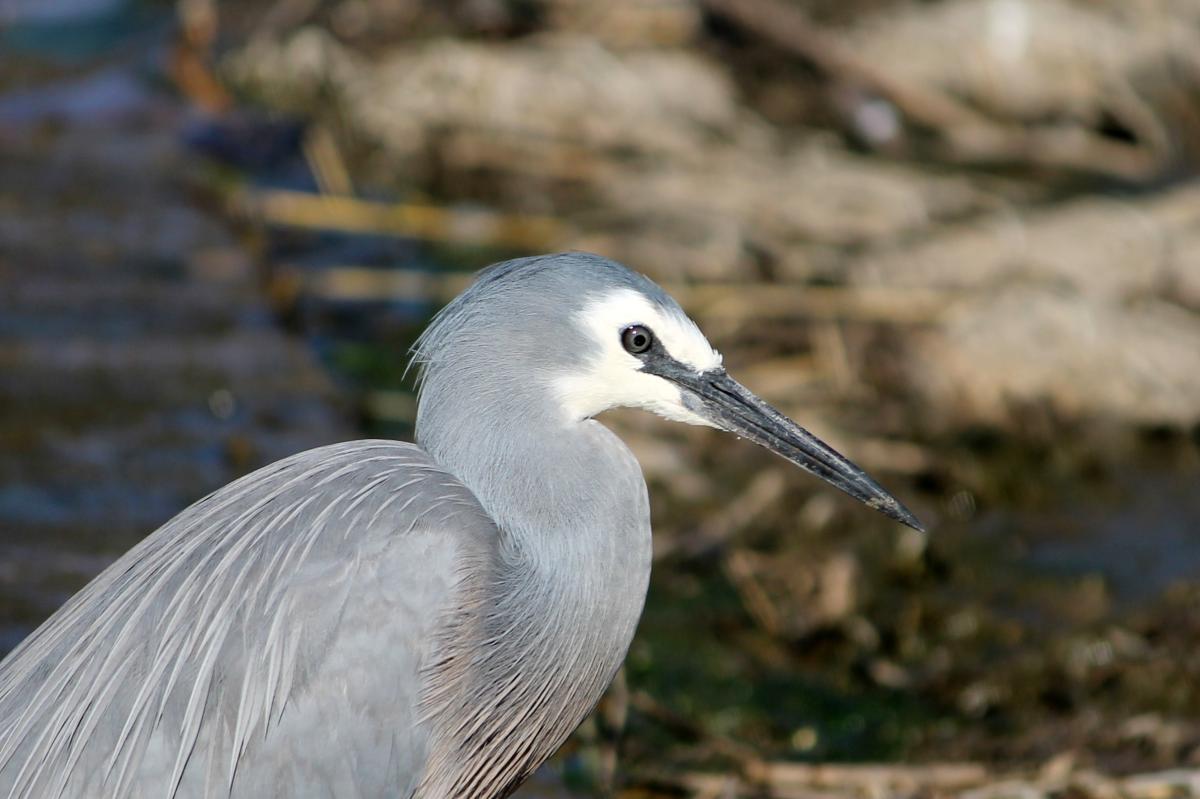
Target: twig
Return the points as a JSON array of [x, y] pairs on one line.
[[746, 757], [708, 301], [438, 223], [740, 571], [191, 56], [325, 160], [892, 778], [787, 26], [762, 493], [887, 304]]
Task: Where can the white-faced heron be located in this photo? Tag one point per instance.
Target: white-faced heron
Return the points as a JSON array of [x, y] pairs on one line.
[[382, 619]]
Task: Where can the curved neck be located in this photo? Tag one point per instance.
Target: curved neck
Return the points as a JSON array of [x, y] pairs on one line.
[[535, 471], [563, 589]]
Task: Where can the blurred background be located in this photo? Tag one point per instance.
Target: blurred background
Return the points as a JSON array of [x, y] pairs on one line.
[[958, 239]]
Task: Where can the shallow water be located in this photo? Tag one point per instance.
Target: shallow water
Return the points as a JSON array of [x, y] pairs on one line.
[[1142, 544]]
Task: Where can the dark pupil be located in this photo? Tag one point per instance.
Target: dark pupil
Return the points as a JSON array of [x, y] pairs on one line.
[[637, 339]]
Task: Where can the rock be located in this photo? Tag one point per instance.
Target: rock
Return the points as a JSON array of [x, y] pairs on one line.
[[1023, 345], [556, 91], [1089, 306], [1102, 248]]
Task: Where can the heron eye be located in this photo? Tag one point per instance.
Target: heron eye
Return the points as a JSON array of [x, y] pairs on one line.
[[636, 339]]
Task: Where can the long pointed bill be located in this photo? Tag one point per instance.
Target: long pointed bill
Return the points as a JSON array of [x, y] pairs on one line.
[[728, 405]]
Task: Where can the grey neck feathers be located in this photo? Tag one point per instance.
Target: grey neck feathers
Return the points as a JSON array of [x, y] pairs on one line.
[[551, 622]]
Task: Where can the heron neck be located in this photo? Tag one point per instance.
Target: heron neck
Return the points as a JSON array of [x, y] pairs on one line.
[[540, 476], [568, 580]]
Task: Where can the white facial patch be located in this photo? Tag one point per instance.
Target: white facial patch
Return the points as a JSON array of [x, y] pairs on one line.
[[613, 378]]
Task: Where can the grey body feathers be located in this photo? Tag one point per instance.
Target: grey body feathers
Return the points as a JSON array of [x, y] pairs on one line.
[[367, 619]]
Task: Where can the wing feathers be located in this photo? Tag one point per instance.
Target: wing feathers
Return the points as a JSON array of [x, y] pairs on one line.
[[199, 637]]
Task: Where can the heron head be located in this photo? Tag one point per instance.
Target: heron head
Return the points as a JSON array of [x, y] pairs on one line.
[[647, 353], [585, 334]]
